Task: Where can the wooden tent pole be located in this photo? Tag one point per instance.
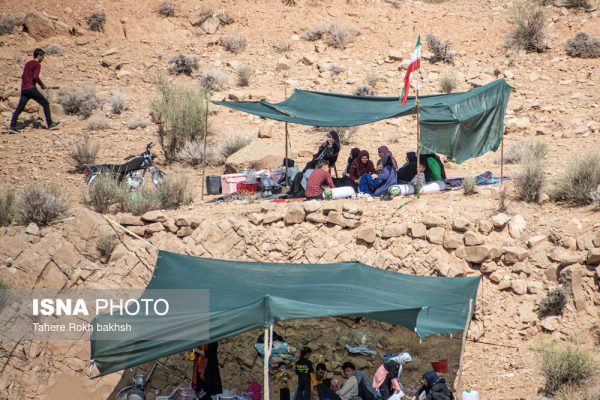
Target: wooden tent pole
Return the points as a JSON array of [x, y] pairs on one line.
[[287, 183], [267, 348], [462, 351], [418, 144], [204, 150], [502, 163]]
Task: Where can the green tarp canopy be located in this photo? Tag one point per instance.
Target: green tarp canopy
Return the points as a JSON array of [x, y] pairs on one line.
[[458, 125], [251, 295]]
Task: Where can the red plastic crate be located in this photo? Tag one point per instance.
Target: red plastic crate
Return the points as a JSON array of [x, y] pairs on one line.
[[246, 187]]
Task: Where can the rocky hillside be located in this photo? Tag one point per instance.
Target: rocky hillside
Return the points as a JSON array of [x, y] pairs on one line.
[[520, 260], [522, 254]]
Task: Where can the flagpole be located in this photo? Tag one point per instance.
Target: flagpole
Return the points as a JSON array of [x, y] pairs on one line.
[[418, 191]]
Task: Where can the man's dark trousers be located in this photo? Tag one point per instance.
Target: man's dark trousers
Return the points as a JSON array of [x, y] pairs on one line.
[[26, 95]]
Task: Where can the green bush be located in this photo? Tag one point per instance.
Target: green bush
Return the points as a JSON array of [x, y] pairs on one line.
[[530, 181], [180, 113], [565, 364], [139, 203], [529, 33], [7, 208], [42, 206], [580, 179]]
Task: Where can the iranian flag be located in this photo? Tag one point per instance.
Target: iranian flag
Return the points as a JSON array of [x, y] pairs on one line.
[[413, 65]]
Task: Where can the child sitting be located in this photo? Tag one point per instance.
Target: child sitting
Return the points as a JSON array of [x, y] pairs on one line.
[[319, 177]]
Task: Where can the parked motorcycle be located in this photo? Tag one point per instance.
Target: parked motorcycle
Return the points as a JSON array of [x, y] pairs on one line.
[[135, 391], [132, 172]]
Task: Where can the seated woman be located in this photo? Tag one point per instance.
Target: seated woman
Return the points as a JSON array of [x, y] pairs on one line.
[[407, 171], [384, 151], [379, 184], [315, 182], [434, 171], [434, 388], [353, 156], [328, 151], [360, 166]]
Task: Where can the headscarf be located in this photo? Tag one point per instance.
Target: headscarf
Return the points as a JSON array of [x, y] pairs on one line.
[[401, 358], [431, 378], [353, 156], [386, 153], [411, 156], [328, 153], [361, 167], [336, 138]]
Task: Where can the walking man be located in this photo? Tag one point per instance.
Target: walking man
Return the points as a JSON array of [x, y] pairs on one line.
[[31, 77]]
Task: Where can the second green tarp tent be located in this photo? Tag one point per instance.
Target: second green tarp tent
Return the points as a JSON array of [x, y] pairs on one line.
[[243, 296], [458, 125]]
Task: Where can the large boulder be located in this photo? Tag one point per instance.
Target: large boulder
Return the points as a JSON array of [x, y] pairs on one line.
[[295, 214], [258, 154], [39, 26]]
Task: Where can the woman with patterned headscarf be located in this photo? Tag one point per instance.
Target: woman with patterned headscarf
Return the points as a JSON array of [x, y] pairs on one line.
[[387, 376]]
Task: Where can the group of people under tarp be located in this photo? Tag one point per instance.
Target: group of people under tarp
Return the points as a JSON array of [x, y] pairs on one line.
[[314, 383], [384, 178]]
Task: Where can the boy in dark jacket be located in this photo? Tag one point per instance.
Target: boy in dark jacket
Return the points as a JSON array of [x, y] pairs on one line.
[[434, 387], [304, 368]]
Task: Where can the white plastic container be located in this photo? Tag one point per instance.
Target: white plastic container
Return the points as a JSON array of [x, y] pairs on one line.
[[470, 395], [343, 192]]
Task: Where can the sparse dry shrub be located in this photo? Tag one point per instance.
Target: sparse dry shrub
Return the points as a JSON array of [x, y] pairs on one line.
[[118, 102], [469, 186], [84, 152], [289, 3], [579, 392], [595, 198], [7, 24], [529, 33], [181, 64], [448, 82], [104, 191], [7, 207], [205, 13], [580, 178], [518, 151], [395, 3], [373, 78], [336, 69], [97, 122], [334, 33], [179, 112], [581, 4], [583, 46], [554, 303], [282, 46], [193, 154], [234, 143], [442, 51], [213, 80], [347, 133], [225, 19], [53, 49], [234, 43], [364, 90], [106, 244], [81, 102], [139, 203], [138, 121], [166, 9], [530, 181], [96, 21], [41, 206], [244, 73], [565, 364], [502, 196], [340, 35], [174, 192]]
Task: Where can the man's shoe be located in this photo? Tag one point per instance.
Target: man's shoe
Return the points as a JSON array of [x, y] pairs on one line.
[[53, 126], [13, 130]]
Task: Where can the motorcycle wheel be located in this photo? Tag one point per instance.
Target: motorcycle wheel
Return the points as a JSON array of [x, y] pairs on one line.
[[158, 177], [135, 183], [90, 179]]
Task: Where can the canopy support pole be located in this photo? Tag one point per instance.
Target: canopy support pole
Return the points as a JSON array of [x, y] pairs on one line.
[[502, 163], [286, 180], [418, 188], [462, 351], [204, 150], [268, 347]]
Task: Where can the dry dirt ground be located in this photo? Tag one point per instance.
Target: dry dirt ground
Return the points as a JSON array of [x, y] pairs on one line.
[[555, 98]]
